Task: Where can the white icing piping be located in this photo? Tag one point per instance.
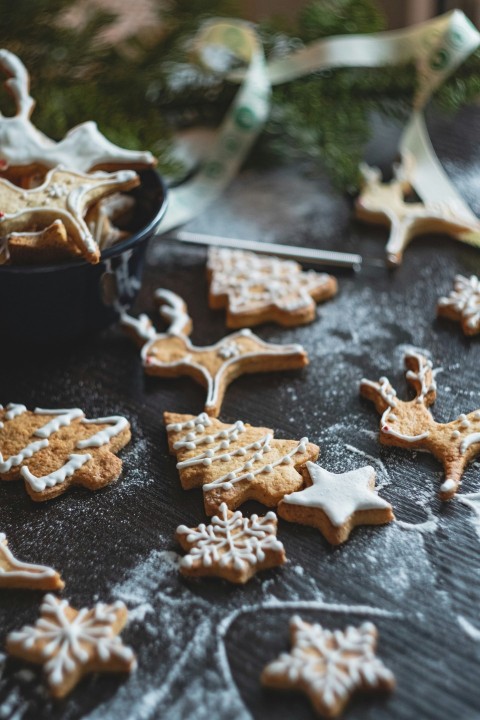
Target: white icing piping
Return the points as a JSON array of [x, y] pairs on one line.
[[65, 418], [26, 452], [173, 310], [237, 540], [69, 642], [38, 484], [213, 383], [226, 482], [102, 437], [14, 410], [141, 325], [472, 439], [21, 569]]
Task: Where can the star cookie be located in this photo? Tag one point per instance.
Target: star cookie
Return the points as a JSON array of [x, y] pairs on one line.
[[71, 643], [258, 288], [335, 504], [65, 196], [410, 424], [329, 666], [25, 151], [53, 449], [463, 304], [384, 203], [233, 547], [17, 574], [235, 463], [171, 354]]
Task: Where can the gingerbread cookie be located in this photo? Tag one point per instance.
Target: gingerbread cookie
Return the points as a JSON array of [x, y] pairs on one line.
[[171, 354], [235, 463], [233, 547], [26, 152], [53, 449], [463, 304], [42, 246], [258, 288], [104, 217], [384, 203], [65, 196], [335, 504], [329, 666], [70, 643], [21, 575], [411, 425]]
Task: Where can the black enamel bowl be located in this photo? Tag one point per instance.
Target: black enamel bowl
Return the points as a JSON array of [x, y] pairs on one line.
[[54, 303]]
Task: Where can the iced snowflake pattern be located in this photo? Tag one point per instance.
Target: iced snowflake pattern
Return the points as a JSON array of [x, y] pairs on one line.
[[67, 641], [232, 542], [463, 303], [329, 665]]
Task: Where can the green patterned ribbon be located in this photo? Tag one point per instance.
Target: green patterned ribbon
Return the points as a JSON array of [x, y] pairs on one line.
[[438, 47]]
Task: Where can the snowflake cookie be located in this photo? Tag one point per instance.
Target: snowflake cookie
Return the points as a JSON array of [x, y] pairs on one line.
[[411, 425], [235, 462], [329, 665], [53, 449], [171, 354], [463, 304], [71, 643], [258, 288], [335, 504], [17, 574], [233, 547]]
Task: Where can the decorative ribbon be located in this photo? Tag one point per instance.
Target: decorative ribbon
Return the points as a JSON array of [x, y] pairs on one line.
[[437, 47]]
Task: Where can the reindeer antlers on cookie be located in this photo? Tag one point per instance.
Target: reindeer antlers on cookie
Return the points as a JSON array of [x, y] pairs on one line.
[[83, 149], [411, 425], [171, 354], [384, 203]]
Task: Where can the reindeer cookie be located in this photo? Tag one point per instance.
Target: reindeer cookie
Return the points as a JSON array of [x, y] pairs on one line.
[[235, 463], [65, 196], [25, 151], [171, 354], [53, 449], [258, 288], [384, 203], [463, 304], [411, 425]]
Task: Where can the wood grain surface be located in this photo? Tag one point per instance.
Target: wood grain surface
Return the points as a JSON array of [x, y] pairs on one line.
[[202, 644]]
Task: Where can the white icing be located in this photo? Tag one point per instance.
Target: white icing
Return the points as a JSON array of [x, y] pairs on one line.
[[82, 149], [448, 485], [229, 350], [64, 418], [173, 310], [236, 541], [424, 367], [213, 383], [471, 439], [330, 664], [246, 470], [104, 436], [257, 281], [38, 484], [14, 410], [24, 454], [71, 642], [339, 496], [20, 570], [142, 326], [465, 300]]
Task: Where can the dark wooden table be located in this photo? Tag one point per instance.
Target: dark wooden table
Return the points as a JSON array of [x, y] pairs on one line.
[[201, 645]]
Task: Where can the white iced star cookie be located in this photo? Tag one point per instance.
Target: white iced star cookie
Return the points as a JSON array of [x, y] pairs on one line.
[[335, 504], [329, 665], [71, 643]]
